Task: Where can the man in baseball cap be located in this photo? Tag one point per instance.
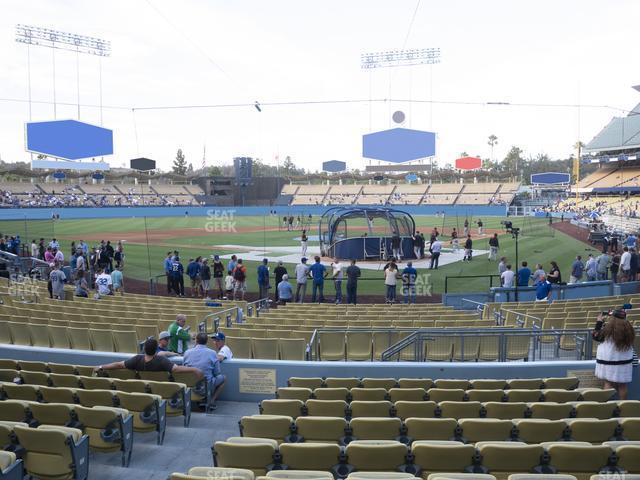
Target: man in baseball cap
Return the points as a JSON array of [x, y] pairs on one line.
[[163, 344], [224, 352]]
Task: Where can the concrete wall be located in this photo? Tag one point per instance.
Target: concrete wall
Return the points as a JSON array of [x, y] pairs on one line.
[[284, 370], [128, 212], [560, 292]]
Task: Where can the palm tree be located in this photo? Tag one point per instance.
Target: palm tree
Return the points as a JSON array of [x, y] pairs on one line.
[[493, 140]]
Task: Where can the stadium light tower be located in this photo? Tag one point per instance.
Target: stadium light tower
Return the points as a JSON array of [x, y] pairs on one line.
[[400, 58], [58, 40]]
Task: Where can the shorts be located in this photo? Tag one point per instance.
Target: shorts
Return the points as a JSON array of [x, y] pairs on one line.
[[239, 286], [217, 381], [195, 281]]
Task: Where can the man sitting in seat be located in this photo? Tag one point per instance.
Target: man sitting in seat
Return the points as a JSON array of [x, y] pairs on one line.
[[206, 360], [150, 361], [224, 352], [163, 345]]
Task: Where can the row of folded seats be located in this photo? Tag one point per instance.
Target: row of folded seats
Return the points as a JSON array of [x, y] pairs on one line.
[[198, 473], [444, 394], [450, 409], [423, 458], [61, 375], [565, 383], [340, 431], [24, 403], [53, 452]]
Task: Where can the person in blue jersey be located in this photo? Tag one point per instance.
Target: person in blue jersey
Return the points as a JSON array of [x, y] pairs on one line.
[[317, 272], [409, 275], [524, 275], [263, 278]]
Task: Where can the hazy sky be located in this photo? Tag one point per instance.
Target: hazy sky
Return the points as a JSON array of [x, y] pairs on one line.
[[209, 52]]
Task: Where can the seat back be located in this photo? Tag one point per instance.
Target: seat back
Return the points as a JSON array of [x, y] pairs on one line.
[[79, 338], [264, 348]]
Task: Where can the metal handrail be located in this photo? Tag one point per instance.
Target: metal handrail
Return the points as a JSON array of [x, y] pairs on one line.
[[259, 305], [217, 317], [417, 337], [480, 306], [519, 314]]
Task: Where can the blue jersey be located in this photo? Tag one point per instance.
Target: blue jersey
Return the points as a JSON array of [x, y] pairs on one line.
[[317, 272], [263, 275], [524, 274], [176, 269]]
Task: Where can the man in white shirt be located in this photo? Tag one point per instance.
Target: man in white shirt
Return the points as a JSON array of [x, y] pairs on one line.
[[59, 257], [104, 284], [436, 248], [54, 244], [507, 277], [337, 279], [302, 274], [34, 249], [224, 352], [625, 263]]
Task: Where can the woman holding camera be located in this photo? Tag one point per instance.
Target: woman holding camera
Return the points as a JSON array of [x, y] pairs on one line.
[[614, 356]]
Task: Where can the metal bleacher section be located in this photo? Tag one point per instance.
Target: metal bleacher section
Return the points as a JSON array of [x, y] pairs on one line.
[[402, 194]]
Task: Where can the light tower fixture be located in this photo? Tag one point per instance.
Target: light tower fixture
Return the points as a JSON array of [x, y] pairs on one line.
[[46, 37], [400, 58]]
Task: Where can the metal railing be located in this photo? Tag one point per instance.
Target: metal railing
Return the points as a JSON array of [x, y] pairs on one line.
[[216, 318], [521, 318], [479, 306], [473, 344], [257, 306]]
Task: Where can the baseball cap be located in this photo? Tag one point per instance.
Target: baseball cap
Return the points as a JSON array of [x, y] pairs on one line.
[[164, 335], [216, 257], [218, 336], [304, 259], [619, 313]]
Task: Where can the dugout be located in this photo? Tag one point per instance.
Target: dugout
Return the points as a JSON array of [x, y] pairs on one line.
[[364, 233]]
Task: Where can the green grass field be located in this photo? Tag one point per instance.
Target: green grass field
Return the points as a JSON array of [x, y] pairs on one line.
[[149, 239]]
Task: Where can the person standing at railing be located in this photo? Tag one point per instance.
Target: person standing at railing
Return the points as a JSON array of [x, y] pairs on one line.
[[524, 275], [318, 272], [614, 357], [263, 279], [391, 276], [538, 275], [409, 275], [353, 273], [279, 272], [602, 266], [591, 269], [507, 277], [577, 269], [302, 274]]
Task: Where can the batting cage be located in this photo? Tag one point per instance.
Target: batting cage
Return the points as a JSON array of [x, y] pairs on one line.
[[365, 233]]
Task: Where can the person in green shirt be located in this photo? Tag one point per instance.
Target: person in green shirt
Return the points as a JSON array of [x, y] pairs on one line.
[[180, 336]]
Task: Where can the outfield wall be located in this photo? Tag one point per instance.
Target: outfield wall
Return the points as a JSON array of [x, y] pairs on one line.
[[128, 212], [261, 370]]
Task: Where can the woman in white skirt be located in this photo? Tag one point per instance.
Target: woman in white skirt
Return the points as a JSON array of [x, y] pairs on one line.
[[614, 356]]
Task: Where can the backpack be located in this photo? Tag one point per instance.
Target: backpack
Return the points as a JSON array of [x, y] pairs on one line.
[[239, 274]]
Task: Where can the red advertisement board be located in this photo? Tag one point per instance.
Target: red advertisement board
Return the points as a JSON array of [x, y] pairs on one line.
[[468, 163]]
